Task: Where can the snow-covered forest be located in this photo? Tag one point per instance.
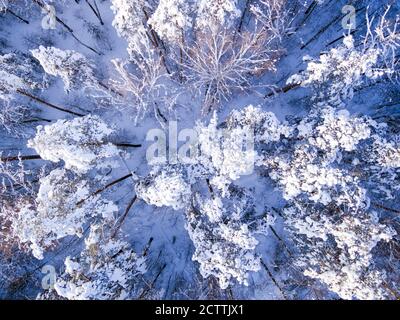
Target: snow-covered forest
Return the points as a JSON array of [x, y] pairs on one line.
[[200, 149]]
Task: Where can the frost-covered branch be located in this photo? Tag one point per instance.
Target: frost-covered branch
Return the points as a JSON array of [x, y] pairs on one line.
[[219, 64]]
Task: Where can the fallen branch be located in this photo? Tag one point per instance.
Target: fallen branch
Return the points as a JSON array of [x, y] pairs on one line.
[[17, 16], [105, 187], [280, 240], [283, 89], [321, 31], [23, 158], [273, 279], [146, 249], [307, 14], [95, 10], [121, 221], [239, 29], [385, 208], [68, 28], [101, 84], [36, 120], [48, 104], [149, 287], [84, 44]]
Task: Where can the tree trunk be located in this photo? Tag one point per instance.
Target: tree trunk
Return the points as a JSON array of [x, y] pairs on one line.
[[17, 16]]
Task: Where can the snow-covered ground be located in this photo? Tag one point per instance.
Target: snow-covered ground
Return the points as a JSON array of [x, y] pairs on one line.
[[86, 87]]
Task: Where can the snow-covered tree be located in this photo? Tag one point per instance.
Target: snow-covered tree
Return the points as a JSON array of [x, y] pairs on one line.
[[266, 126], [15, 186], [171, 20], [16, 73], [384, 36], [216, 14], [310, 169], [130, 22], [128, 16], [76, 71], [337, 73], [327, 170], [377, 163], [141, 81], [338, 130], [322, 184], [386, 153], [367, 146], [227, 153], [335, 247], [166, 187], [107, 269], [62, 207], [224, 237], [82, 143], [226, 259], [229, 150], [273, 16]]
